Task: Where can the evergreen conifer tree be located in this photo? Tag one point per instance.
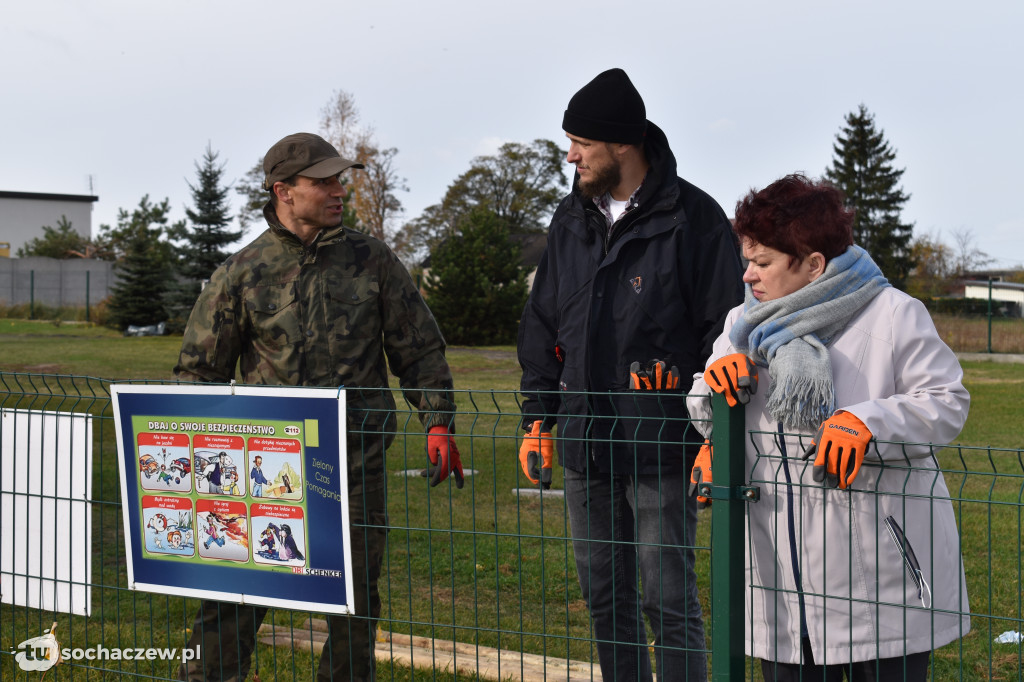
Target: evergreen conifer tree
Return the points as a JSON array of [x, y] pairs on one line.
[[476, 287], [862, 167], [144, 270], [57, 242], [200, 247]]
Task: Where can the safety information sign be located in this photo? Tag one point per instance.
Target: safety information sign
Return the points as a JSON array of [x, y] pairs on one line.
[[236, 493]]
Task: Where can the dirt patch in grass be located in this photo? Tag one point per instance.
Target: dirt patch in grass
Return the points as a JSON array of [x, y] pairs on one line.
[[48, 368]]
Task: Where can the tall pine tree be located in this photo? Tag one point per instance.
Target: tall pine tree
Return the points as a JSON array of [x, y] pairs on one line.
[[862, 167], [144, 269], [200, 247]]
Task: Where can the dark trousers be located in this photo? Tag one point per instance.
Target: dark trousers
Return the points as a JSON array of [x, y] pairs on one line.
[[630, 527], [227, 632], [909, 668]]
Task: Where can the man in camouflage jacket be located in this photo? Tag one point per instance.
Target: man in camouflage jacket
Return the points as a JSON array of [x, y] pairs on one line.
[[313, 303]]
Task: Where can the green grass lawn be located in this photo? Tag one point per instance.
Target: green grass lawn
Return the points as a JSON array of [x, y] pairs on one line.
[[482, 564]]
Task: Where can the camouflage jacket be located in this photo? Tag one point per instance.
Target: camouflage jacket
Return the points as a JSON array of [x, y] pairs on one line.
[[337, 312]]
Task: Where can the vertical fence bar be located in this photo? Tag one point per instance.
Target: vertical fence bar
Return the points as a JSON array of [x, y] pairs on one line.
[[87, 273], [727, 557], [31, 294], [989, 314]]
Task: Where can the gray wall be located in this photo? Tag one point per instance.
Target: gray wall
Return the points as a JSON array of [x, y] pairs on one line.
[[23, 214], [53, 282]]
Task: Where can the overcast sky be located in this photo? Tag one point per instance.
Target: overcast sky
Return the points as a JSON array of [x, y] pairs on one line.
[[120, 98]]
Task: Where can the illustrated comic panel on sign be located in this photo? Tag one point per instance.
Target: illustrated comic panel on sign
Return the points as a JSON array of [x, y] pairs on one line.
[[279, 532], [219, 464], [168, 525], [222, 530], [164, 463], [275, 468]]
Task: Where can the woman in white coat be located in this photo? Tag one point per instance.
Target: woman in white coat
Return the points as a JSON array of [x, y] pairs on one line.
[[833, 362]]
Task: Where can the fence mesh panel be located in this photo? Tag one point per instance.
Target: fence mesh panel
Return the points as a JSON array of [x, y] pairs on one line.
[[477, 583]]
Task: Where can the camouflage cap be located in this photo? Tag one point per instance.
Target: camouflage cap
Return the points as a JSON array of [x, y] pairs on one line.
[[303, 154]]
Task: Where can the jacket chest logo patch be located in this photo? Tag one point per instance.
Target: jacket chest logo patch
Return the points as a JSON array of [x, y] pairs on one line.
[[638, 283]]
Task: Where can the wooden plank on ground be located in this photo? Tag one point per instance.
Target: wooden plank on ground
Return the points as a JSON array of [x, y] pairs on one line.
[[438, 654]]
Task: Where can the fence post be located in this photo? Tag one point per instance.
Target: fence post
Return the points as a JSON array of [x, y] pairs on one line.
[[87, 273], [728, 511], [989, 314], [31, 294]]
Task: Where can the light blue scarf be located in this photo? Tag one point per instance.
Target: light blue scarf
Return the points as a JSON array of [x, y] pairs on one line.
[[789, 335]]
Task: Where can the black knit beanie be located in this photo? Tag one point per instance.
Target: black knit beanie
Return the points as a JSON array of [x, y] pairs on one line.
[[607, 109]]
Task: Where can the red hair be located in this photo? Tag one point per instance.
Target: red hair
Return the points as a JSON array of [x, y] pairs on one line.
[[796, 216]]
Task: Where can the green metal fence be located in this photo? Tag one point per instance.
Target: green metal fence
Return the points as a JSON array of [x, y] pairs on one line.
[[478, 583]]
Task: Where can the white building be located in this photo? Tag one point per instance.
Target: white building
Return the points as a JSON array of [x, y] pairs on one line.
[[1002, 292], [23, 215]]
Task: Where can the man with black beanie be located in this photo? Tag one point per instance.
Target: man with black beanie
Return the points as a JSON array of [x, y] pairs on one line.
[[640, 267]]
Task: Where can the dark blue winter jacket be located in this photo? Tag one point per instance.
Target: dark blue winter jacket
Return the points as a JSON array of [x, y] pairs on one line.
[[657, 287]]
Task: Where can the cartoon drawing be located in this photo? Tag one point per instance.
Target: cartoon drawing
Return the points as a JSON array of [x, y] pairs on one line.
[[215, 465], [212, 470], [224, 529], [148, 465], [168, 525], [289, 550], [278, 543], [231, 485], [283, 538], [214, 474], [268, 542], [236, 528], [174, 539], [275, 466], [181, 468], [160, 462], [258, 479], [212, 532], [165, 476], [158, 522]]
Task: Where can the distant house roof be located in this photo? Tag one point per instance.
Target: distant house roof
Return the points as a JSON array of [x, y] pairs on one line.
[[996, 275], [1009, 286], [43, 196]]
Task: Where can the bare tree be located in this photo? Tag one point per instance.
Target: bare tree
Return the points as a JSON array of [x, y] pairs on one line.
[[967, 257], [339, 124], [374, 193], [373, 205]]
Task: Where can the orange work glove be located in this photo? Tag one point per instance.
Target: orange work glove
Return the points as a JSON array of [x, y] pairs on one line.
[[656, 377], [537, 448], [733, 375], [840, 444], [701, 472], [444, 455]]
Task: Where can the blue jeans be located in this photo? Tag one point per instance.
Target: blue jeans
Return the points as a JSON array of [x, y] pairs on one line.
[[633, 532]]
